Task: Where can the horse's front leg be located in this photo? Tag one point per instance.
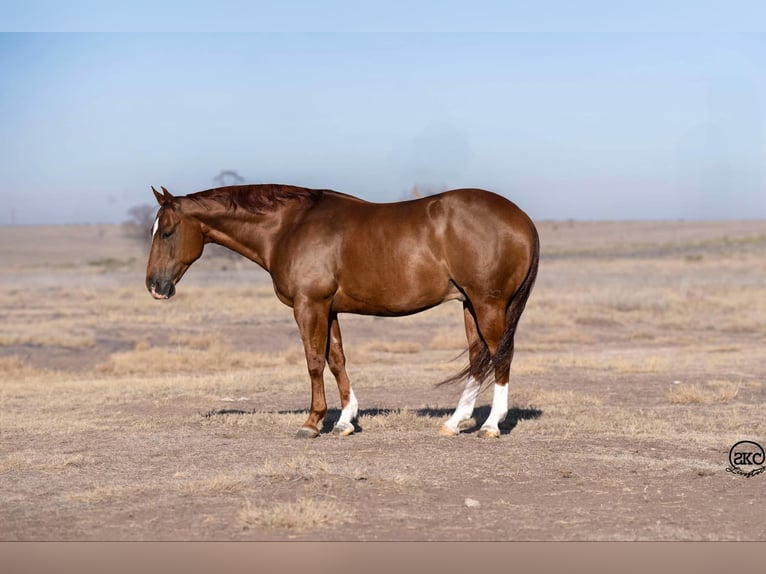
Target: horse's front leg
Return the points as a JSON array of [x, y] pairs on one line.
[[313, 322]]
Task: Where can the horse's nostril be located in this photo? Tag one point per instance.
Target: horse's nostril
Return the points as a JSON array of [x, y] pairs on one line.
[[153, 286], [160, 289]]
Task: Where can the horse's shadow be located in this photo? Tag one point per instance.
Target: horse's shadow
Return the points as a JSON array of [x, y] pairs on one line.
[[480, 414]]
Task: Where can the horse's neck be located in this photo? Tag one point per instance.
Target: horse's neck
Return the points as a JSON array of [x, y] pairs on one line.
[[251, 235]]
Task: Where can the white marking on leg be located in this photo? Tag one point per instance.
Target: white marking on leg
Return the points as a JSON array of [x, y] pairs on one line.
[[156, 226], [349, 412], [465, 405], [499, 408], [344, 426]]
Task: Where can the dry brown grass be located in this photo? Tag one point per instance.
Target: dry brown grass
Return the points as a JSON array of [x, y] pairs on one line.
[[14, 367], [620, 364], [52, 335], [300, 466], [203, 356], [398, 347], [31, 460], [711, 392], [222, 485], [529, 397], [107, 494], [530, 365], [205, 342], [453, 340], [395, 420], [303, 514]]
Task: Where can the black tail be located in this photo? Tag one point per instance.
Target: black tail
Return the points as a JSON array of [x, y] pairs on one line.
[[483, 367]]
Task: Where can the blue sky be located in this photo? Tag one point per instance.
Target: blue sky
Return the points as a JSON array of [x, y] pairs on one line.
[[620, 120]]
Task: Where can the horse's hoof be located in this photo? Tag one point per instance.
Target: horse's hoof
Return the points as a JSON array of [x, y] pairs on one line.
[[306, 432], [488, 433], [444, 430], [466, 424], [343, 429]]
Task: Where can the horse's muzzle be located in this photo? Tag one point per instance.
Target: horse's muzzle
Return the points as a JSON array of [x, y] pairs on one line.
[[161, 289]]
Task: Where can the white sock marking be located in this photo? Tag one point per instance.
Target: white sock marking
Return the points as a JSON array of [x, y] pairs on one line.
[[349, 411], [465, 405], [499, 407]]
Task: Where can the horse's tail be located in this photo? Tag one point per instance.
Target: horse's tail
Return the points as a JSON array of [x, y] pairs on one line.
[[504, 354], [483, 367]]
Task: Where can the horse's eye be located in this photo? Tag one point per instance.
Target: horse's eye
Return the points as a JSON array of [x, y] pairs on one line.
[[167, 234]]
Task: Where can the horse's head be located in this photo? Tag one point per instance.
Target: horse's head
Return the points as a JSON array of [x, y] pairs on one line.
[[177, 242]]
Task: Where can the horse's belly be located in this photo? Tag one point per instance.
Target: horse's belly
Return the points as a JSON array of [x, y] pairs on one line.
[[395, 297]]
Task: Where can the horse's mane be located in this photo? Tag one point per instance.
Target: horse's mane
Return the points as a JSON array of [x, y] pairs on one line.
[[255, 198]]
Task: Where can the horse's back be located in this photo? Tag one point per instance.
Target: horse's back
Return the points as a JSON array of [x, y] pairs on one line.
[[395, 258], [451, 225], [454, 205]]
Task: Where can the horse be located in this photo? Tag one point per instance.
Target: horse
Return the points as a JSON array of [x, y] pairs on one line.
[[330, 253]]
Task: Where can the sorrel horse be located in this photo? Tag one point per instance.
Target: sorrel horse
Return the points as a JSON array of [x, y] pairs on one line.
[[330, 253]]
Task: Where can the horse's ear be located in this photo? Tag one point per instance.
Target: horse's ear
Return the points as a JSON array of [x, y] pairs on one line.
[[165, 198], [159, 197]]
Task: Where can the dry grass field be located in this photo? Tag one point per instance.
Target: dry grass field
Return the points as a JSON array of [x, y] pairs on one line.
[[640, 361]]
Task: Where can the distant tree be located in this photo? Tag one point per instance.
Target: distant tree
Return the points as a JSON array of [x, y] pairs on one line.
[[143, 215], [230, 176], [422, 190], [139, 223], [224, 178]]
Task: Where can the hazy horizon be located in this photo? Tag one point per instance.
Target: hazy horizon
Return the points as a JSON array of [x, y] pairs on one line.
[[569, 125]]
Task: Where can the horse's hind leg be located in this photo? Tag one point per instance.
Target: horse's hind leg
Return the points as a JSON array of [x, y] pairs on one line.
[[491, 320], [337, 362], [491, 427], [462, 415]]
